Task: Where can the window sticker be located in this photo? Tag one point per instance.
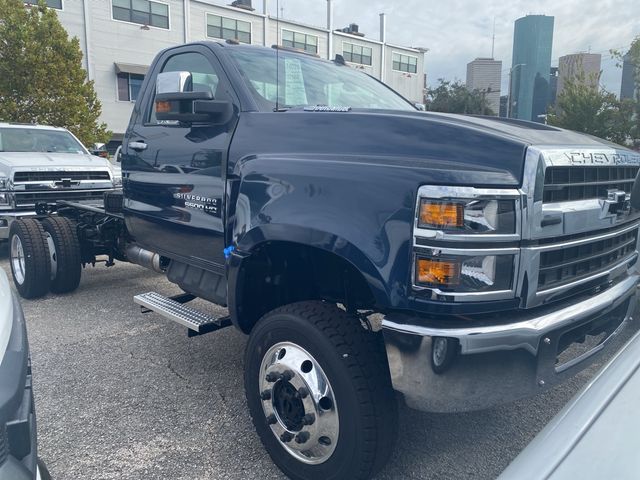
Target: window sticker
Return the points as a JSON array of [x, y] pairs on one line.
[[295, 93]]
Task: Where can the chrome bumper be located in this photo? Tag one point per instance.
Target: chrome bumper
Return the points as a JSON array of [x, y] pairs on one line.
[[499, 362], [7, 217]]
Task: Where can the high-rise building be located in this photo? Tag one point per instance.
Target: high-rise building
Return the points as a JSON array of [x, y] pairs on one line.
[[483, 74], [530, 67], [629, 86], [579, 67], [553, 86], [504, 99]]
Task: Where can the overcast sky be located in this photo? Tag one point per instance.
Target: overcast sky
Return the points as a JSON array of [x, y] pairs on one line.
[[457, 31]]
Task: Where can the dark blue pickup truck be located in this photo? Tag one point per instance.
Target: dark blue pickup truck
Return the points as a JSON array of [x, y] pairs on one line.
[[363, 245]]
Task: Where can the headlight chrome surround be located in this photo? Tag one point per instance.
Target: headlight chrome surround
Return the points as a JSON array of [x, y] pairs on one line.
[[481, 246], [488, 214]]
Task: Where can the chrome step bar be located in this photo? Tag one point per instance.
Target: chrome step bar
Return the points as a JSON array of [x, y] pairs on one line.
[[197, 322]]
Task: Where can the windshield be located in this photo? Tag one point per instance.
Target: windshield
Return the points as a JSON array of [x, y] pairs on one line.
[[38, 140], [305, 80]]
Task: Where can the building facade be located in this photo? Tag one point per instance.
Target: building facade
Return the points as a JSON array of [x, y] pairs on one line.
[[553, 86], [583, 68], [484, 75], [531, 64], [120, 38], [628, 87]]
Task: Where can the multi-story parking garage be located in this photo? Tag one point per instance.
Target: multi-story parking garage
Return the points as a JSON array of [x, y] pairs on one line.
[[120, 38]]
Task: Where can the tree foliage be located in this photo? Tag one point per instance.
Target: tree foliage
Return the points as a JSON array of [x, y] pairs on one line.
[[454, 97], [634, 104], [586, 109], [41, 75]]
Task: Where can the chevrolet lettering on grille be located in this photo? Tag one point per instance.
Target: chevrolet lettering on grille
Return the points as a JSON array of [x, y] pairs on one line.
[[582, 158]]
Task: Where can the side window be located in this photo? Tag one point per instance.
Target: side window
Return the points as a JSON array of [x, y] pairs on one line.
[[203, 75]]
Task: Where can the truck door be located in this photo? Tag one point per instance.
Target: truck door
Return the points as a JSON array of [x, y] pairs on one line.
[[174, 174]]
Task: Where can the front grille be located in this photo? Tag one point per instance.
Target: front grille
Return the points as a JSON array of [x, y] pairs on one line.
[[566, 265], [58, 176], [30, 199], [562, 184]]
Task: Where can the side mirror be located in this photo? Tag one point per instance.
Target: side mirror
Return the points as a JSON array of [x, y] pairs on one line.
[[176, 101], [420, 106], [118, 154]]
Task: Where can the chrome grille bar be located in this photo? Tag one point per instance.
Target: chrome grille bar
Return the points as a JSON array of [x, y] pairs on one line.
[[570, 183]]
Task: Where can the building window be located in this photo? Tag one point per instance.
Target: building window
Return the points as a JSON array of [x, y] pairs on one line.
[[356, 54], [405, 63], [144, 12], [228, 28], [57, 4], [301, 41], [129, 86]]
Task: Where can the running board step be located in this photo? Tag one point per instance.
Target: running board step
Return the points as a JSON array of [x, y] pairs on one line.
[[197, 322]]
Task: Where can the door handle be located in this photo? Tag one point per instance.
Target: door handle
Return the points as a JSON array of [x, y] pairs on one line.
[[137, 146]]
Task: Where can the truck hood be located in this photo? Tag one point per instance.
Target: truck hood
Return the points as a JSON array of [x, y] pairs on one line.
[[437, 148], [529, 133], [53, 161]]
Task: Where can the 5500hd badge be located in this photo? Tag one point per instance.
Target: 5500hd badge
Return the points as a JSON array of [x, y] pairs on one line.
[[199, 202]]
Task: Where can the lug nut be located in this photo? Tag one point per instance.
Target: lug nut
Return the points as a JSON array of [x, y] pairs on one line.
[[271, 419], [286, 437], [272, 377], [302, 437], [308, 419], [266, 395], [303, 392], [287, 375]]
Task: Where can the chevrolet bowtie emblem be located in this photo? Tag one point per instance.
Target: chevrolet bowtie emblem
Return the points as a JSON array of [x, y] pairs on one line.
[[65, 183]]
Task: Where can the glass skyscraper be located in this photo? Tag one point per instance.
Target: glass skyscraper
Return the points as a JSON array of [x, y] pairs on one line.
[[530, 67]]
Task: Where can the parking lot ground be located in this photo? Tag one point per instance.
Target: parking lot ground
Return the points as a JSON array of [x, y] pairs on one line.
[[125, 395]]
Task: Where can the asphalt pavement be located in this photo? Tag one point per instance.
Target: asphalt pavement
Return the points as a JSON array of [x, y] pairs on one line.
[[126, 395]]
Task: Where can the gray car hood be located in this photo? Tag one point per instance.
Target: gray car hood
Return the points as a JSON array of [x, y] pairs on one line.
[[46, 160]]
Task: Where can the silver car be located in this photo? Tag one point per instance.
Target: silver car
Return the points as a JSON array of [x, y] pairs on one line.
[[40, 165]]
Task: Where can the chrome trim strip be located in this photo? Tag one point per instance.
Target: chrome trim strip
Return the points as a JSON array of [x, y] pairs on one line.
[[435, 250], [583, 241], [569, 286], [526, 333]]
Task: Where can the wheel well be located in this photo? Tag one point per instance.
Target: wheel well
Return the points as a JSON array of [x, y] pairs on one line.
[[280, 273]]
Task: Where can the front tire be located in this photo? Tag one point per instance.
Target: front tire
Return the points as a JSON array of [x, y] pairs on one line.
[[29, 258], [319, 392], [65, 250]]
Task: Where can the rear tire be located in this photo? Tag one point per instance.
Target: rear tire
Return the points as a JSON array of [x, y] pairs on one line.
[[29, 258], [68, 268], [288, 349]]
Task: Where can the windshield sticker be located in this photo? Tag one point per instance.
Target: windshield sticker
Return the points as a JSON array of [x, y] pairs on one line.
[[295, 93]]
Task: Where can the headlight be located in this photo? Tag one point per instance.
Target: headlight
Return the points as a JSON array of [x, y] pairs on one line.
[[465, 274], [4, 183], [468, 215], [5, 199], [117, 181]]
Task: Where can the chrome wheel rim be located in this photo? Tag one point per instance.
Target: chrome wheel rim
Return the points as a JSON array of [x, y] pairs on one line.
[[53, 257], [299, 403], [17, 260]]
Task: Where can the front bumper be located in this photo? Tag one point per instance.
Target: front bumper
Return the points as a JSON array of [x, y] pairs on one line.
[[498, 362], [7, 217], [18, 449]]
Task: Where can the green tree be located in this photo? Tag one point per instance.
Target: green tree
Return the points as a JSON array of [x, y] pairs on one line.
[[41, 75], [586, 109], [454, 97], [634, 104]]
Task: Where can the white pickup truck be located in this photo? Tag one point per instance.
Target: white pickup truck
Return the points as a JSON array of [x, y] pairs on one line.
[[40, 165]]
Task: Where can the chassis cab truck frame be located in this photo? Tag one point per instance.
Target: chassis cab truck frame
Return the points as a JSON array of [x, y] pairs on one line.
[[365, 247]]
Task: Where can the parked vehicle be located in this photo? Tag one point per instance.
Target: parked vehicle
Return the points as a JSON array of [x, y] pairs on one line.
[[18, 442], [306, 196], [40, 165], [596, 435]]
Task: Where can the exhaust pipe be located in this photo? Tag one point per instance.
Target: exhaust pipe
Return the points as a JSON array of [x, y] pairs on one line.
[[145, 258]]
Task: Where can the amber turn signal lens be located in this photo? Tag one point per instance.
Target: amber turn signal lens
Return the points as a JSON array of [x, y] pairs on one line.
[[440, 273], [441, 214], [163, 107]]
